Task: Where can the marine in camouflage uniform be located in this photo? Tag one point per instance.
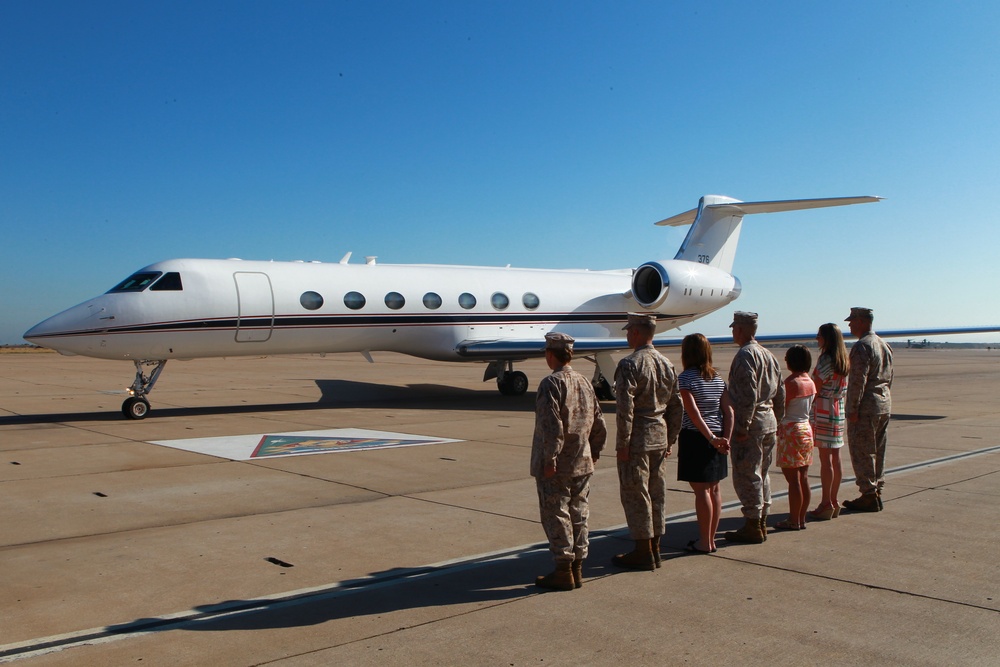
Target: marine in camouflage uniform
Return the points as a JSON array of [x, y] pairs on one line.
[[869, 405], [648, 420], [758, 399], [569, 436]]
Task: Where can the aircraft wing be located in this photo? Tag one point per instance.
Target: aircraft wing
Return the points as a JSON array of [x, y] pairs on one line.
[[779, 339], [810, 337], [507, 348], [491, 350]]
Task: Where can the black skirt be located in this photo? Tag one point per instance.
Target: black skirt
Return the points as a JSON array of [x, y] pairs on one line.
[[698, 460]]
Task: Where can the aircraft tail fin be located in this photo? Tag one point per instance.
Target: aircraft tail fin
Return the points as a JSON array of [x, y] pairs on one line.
[[715, 224]]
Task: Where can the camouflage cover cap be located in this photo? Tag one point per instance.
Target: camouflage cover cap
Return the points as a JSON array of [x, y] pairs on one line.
[[743, 318], [556, 340], [860, 313], [640, 320]]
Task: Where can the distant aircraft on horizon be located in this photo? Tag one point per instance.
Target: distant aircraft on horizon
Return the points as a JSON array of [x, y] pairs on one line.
[[197, 308]]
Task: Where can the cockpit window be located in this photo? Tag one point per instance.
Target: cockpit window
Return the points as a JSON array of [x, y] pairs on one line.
[[170, 282], [136, 282]]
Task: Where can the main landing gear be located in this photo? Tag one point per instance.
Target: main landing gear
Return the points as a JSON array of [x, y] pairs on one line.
[[136, 406], [509, 381], [515, 383]]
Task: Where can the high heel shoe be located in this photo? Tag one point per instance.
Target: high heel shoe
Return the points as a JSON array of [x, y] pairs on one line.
[[824, 514], [836, 511]]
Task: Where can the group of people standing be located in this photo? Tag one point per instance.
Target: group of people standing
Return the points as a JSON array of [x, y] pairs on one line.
[[748, 420]]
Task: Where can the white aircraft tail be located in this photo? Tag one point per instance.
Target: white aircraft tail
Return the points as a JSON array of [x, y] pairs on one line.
[[715, 224]]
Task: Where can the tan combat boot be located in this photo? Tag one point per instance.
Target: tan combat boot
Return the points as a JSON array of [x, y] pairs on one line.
[[640, 558], [750, 533], [578, 573], [560, 579], [654, 547]]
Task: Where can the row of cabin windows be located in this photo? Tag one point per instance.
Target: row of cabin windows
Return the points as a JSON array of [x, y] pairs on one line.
[[432, 301], [310, 300]]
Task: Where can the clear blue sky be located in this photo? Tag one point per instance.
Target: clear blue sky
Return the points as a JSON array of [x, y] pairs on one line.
[[539, 134]]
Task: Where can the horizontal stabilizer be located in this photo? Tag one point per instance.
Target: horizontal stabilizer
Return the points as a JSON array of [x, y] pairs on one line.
[[777, 206]]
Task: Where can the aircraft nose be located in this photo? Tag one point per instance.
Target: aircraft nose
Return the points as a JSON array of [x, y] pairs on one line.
[[41, 333], [55, 331]]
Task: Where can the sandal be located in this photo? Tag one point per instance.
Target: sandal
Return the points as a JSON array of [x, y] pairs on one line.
[[786, 525], [822, 513]]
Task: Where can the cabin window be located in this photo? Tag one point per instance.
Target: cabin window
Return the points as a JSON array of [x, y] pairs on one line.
[[311, 300], [394, 300], [136, 282], [466, 300], [530, 300], [499, 301], [432, 301], [354, 300], [170, 282]]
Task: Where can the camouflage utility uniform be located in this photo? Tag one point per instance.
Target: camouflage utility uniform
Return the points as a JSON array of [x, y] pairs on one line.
[[649, 419], [758, 398], [569, 434], [868, 407]]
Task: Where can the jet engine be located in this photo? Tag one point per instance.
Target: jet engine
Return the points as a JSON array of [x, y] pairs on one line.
[[680, 287]]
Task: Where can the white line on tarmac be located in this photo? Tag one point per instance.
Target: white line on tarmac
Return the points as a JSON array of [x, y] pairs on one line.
[[52, 644]]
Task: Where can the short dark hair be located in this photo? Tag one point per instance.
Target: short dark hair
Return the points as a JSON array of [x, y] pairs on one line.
[[798, 359], [562, 355]]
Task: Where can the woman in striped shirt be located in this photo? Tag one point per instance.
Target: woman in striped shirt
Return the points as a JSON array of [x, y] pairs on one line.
[[706, 429]]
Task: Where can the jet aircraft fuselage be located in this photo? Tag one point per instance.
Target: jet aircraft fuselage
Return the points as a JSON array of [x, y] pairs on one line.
[[191, 308]]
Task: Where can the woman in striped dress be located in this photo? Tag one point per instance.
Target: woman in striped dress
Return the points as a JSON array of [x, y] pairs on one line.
[[828, 416]]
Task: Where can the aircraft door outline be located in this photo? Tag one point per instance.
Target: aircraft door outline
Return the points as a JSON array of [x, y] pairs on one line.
[[255, 315]]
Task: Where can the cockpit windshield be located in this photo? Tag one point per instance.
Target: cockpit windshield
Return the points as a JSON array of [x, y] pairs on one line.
[[136, 282], [170, 282]]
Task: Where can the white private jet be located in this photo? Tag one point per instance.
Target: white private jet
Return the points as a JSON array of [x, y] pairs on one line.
[[192, 308]]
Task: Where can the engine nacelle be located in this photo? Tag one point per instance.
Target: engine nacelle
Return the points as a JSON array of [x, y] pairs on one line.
[[679, 287]]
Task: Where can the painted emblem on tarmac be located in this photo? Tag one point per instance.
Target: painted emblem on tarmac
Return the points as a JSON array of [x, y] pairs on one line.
[[272, 445], [286, 445]]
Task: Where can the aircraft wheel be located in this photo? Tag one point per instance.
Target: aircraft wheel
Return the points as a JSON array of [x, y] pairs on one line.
[[514, 384], [604, 391], [135, 408], [518, 383]]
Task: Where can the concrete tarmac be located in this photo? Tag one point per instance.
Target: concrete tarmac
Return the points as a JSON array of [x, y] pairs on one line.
[[115, 551]]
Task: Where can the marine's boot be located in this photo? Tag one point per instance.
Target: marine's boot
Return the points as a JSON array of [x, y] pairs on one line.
[[868, 502], [560, 579], [640, 558], [750, 533], [763, 526], [578, 573], [654, 547]]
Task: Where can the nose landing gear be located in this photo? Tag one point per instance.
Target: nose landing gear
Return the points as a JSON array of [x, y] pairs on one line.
[[136, 406]]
